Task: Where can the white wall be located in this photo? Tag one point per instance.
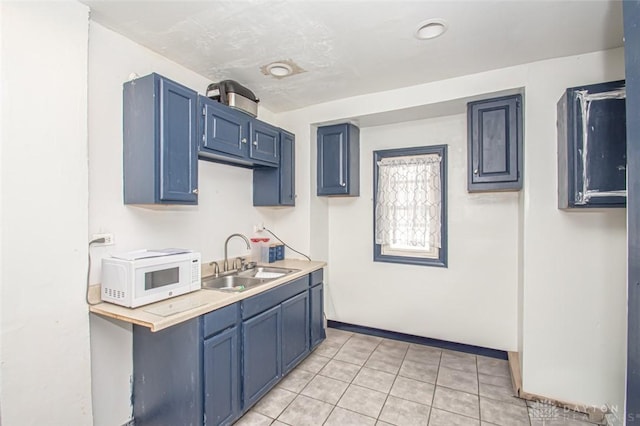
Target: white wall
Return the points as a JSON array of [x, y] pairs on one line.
[[225, 206], [558, 277], [574, 319], [440, 303], [45, 369]]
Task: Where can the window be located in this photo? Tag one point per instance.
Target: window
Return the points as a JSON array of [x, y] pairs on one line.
[[409, 191]]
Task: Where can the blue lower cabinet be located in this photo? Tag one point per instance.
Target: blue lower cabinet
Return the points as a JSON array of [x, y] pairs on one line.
[[222, 378], [295, 330], [212, 369], [261, 354], [316, 296], [167, 375]]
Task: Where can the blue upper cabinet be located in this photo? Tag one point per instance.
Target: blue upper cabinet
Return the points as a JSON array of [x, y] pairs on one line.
[[592, 146], [495, 144], [223, 129], [233, 137], [265, 142], [339, 160], [160, 143], [276, 187]]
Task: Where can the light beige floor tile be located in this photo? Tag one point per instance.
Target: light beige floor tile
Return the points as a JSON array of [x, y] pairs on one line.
[[374, 379], [401, 412], [493, 366], [359, 343], [503, 413], [459, 354], [305, 411], [495, 380], [419, 371], [341, 417], [353, 354], [325, 389], [393, 347], [413, 390], [296, 380], [381, 423], [456, 361], [340, 370], [423, 354], [445, 418], [313, 363], [253, 418], [466, 404], [278, 423], [458, 379], [362, 400], [338, 336], [384, 361], [500, 393], [327, 349], [392, 343], [274, 403]]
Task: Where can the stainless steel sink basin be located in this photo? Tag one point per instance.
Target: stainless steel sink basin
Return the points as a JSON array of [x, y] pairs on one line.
[[241, 281]]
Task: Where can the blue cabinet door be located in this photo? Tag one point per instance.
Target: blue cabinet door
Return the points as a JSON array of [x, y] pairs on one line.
[[261, 354], [287, 170], [160, 149], [167, 375], [276, 186], [338, 160], [592, 146], [318, 334], [495, 144], [265, 142], [631, 13], [222, 378], [178, 143], [223, 129], [295, 330]]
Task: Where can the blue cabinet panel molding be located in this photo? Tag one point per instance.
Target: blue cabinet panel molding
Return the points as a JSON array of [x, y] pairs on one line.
[[160, 147], [495, 149], [276, 187], [338, 160], [261, 354]]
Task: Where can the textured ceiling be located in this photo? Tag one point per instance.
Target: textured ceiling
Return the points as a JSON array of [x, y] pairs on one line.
[[349, 48]]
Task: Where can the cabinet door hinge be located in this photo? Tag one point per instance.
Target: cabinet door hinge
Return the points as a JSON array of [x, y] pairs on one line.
[[204, 111]]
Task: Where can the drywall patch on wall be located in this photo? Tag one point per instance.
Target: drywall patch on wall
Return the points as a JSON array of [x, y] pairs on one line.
[[45, 372]]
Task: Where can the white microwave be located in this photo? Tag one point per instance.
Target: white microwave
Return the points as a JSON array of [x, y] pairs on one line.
[[137, 282]]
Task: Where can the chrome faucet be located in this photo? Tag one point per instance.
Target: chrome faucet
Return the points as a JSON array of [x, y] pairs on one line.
[[225, 265], [216, 268]]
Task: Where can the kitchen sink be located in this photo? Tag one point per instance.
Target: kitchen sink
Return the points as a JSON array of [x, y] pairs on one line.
[[244, 280]]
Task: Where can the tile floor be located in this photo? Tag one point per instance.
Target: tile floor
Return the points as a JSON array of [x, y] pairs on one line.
[[356, 379]]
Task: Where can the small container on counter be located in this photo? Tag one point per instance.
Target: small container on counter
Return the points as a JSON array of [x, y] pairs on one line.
[[257, 249]]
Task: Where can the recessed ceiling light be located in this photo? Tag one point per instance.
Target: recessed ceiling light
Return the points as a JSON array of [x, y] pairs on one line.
[[431, 28], [279, 69]]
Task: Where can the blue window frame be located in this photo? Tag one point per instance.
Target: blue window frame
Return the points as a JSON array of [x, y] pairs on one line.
[[409, 205]]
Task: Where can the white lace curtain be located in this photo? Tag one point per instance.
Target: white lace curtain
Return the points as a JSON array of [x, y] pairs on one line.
[[408, 201]]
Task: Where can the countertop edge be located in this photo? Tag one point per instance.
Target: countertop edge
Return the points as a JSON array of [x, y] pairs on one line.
[[204, 301]]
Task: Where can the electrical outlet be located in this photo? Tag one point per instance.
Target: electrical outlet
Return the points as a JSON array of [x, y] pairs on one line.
[[258, 227], [108, 239]]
